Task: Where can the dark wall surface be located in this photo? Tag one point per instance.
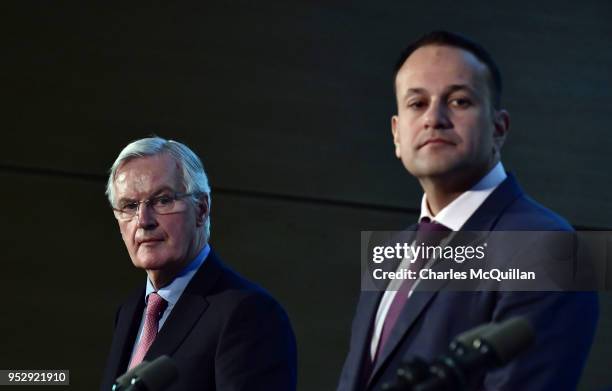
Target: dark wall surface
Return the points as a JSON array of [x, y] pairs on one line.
[[289, 105]]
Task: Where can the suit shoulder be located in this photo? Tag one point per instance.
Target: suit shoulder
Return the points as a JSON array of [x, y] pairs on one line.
[[524, 213], [239, 292], [244, 304]]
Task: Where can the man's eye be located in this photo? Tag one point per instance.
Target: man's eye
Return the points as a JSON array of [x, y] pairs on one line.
[[460, 102], [417, 104], [163, 200], [130, 206]]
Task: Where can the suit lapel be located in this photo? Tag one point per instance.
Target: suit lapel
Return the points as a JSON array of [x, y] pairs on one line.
[[367, 312], [362, 335], [487, 215], [188, 310], [411, 311], [126, 330], [483, 219]]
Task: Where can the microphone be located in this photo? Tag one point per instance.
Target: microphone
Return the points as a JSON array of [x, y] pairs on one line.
[[507, 339], [470, 353], [149, 376], [123, 381]]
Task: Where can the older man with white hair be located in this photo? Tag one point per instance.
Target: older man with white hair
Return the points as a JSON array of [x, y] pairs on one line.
[[222, 331]]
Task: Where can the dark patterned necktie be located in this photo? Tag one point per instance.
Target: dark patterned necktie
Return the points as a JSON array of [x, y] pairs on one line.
[[428, 234]]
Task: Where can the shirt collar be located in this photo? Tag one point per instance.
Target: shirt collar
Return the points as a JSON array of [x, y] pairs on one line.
[[174, 290], [455, 214]]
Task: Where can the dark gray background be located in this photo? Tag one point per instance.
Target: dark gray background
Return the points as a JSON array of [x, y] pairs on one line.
[[288, 104]]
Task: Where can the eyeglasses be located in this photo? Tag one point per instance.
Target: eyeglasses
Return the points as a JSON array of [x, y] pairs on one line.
[[161, 205]]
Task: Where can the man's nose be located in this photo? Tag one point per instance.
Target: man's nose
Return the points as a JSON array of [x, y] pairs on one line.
[[146, 216], [437, 116]]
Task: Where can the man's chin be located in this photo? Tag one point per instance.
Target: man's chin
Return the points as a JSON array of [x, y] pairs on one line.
[[149, 263], [432, 170]]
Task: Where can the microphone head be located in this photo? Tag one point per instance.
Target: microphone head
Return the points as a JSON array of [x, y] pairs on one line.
[[159, 374], [468, 337], [125, 380], [509, 338]]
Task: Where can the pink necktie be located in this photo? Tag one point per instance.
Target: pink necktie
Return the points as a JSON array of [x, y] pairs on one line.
[[155, 308]]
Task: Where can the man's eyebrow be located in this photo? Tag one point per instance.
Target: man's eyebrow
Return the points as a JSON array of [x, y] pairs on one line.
[[414, 91], [163, 189], [154, 194], [460, 87], [124, 200], [448, 90]]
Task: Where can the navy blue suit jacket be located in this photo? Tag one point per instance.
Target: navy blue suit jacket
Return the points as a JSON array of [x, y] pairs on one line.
[[224, 333], [564, 322]]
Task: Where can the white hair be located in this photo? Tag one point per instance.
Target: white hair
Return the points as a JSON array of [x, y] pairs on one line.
[[193, 175]]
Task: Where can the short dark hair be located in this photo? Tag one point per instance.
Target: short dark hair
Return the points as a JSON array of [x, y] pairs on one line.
[[446, 38]]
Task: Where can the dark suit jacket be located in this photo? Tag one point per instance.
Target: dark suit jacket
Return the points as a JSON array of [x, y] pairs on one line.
[[224, 333], [564, 322]]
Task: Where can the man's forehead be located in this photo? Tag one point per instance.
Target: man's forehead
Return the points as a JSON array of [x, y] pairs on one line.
[[440, 65], [147, 174]]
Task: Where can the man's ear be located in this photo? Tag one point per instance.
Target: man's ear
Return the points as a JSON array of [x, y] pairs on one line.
[[501, 122], [396, 135], [202, 210]]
